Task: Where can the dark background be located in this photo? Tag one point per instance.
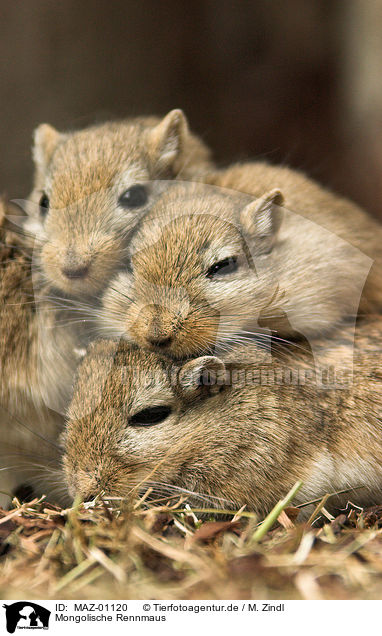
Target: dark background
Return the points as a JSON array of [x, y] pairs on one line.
[[296, 81]]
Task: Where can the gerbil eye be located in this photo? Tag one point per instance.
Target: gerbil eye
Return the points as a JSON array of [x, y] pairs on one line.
[[152, 415], [224, 267], [134, 197], [44, 205]]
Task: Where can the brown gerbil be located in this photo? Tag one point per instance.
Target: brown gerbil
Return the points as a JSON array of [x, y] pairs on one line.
[[148, 421], [304, 196], [92, 185], [208, 265], [28, 428]]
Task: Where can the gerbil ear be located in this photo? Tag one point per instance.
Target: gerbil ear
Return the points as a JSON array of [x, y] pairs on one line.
[[46, 139], [168, 136], [262, 219], [207, 372]]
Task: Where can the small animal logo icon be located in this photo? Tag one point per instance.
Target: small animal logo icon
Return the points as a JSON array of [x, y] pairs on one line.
[[26, 615]]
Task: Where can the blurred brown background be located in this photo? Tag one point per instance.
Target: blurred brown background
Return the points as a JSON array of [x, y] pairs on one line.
[[298, 82]]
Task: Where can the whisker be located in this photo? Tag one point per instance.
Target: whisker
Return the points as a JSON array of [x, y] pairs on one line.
[[21, 423]]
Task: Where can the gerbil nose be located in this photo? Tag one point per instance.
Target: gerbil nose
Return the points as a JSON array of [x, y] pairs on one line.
[[157, 325], [73, 265], [76, 272], [88, 487], [89, 495], [159, 341]]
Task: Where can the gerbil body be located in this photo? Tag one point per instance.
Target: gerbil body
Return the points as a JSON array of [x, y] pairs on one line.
[[28, 427], [208, 266], [305, 197], [148, 422], [92, 186]]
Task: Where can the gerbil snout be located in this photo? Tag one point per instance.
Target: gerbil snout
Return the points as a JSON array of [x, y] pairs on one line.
[[78, 272], [174, 328], [87, 486], [84, 268], [159, 341], [158, 325], [102, 474], [75, 266]]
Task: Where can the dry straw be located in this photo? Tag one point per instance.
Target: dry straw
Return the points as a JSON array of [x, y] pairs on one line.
[[170, 550]]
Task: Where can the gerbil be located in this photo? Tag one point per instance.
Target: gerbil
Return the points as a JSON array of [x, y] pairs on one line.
[[304, 196], [208, 265], [28, 427], [150, 422], [91, 186]]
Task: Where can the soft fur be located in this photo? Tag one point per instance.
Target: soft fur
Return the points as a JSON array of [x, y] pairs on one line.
[[28, 427], [305, 197], [84, 173], [244, 442], [298, 274]]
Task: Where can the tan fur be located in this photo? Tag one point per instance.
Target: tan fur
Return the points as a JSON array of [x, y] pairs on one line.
[[244, 442], [25, 419], [294, 274], [84, 173], [303, 196]]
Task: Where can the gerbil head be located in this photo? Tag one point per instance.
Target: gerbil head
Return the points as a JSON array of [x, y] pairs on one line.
[[91, 186], [123, 426], [194, 280]]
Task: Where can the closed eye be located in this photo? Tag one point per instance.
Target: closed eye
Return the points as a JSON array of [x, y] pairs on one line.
[[150, 416], [223, 267]]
